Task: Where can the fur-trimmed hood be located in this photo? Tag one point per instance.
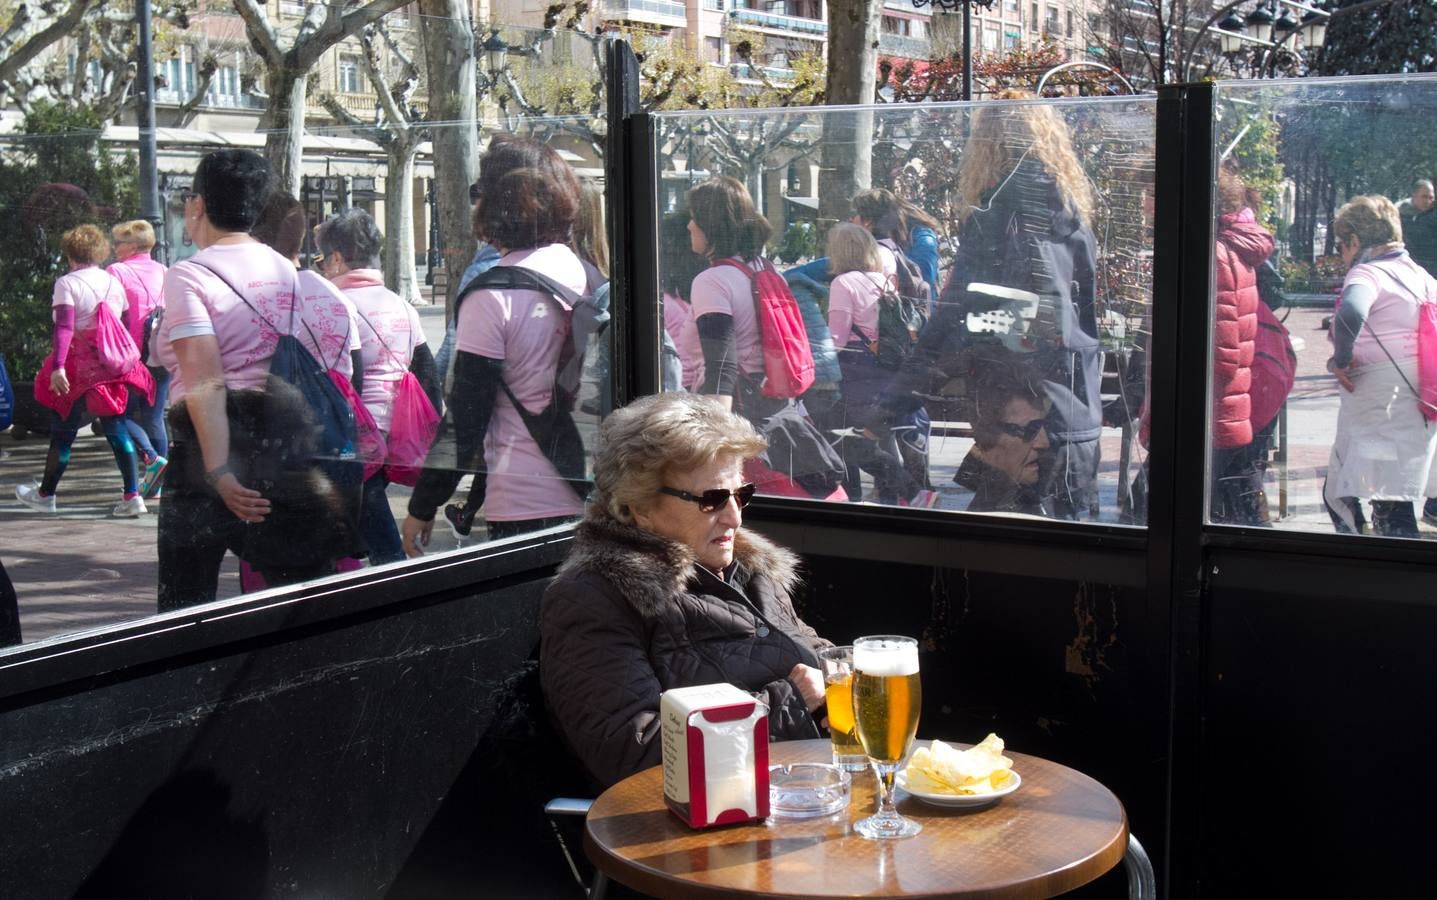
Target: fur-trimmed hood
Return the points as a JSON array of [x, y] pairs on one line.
[[649, 570]]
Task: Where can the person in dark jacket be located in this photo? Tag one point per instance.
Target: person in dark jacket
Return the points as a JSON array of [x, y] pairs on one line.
[[1021, 292], [1419, 225], [663, 589]]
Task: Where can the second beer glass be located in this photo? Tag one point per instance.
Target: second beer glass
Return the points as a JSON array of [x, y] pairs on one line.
[[838, 687], [886, 699]]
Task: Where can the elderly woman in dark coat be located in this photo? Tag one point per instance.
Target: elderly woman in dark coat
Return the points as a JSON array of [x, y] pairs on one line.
[[664, 590]]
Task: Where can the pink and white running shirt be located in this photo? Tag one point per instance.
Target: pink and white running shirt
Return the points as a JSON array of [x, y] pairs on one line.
[[144, 282], [397, 323], [85, 289], [198, 303], [725, 290], [853, 304], [527, 330], [332, 322]]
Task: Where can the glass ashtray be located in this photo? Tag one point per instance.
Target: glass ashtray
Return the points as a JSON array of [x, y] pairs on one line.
[[802, 790]]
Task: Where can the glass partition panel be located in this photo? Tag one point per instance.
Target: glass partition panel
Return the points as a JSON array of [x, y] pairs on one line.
[[230, 458], [1326, 236], [972, 283]]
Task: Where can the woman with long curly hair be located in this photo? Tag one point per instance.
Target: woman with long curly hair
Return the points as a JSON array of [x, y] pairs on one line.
[[1021, 290]]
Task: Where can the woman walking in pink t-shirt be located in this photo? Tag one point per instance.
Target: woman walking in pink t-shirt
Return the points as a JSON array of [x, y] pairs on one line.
[[391, 345], [226, 309], [79, 383], [144, 281], [508, 347]]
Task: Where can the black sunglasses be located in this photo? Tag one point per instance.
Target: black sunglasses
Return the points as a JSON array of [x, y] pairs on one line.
[[1027, 432], [715, 498]]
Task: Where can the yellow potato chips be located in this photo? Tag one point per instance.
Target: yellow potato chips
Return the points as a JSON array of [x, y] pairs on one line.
[[944, 769]]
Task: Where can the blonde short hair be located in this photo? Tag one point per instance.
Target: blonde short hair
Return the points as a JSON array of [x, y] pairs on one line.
[[1372, 219], [85, 244], [852, 249], [655, 437], [137, 232]]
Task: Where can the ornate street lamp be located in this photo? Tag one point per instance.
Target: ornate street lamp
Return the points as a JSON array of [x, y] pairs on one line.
[[967, 33], [1273, 31], [1314, 29], [1230, 35], [495, 52], [1258, 24]]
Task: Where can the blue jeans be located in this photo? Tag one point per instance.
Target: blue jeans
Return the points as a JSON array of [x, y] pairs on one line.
[[146, 422], [376, 523]]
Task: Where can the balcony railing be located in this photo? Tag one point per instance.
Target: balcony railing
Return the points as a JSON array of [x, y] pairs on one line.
[[904, 47], [662, 12], [779, 22]]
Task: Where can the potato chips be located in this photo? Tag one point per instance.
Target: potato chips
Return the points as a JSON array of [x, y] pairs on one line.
[[944, 769]]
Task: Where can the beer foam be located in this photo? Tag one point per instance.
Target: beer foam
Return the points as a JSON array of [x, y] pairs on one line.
[[885, 658]]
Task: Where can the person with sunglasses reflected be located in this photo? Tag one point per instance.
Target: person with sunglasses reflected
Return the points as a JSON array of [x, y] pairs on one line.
[[1002, 470], [664, 589]]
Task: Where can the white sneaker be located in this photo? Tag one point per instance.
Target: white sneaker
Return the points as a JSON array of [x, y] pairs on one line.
[[132, 508], [29, 494]]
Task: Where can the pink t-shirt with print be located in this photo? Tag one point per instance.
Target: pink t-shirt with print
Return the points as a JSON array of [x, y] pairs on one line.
[[397, 323], [1400, 284], [527, 330], [725, 290], [853, 303], [144, 282], [84, 289], [332, 322], [198, 303]]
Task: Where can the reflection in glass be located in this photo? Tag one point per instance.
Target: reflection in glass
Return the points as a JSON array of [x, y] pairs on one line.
[[1336, 171], [996, 273]]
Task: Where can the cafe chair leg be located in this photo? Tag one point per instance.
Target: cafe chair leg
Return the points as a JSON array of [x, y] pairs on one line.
[[1141, 883], [597, 888]]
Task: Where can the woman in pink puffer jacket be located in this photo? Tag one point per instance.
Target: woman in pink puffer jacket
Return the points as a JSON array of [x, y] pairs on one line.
[[1242, 246]]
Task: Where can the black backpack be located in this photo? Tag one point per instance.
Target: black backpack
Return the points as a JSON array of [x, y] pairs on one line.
[[912, 286], [553, 428], [900, 321]]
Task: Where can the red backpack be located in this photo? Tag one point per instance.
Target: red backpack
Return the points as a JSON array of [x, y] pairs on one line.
[[787, 357]]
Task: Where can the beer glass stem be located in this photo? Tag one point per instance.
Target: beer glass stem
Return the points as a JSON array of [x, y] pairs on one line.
[[887, 809]]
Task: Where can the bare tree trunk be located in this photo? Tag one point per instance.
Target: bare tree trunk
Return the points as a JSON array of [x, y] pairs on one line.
[[399, 273], [852, 78], [284, 120], [453, 110]]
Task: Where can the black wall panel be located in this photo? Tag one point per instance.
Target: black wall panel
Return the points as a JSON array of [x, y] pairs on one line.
[[341, 761], [1317, 746]]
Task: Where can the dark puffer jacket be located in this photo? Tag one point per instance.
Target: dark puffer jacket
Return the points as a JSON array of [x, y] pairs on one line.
[[631, 614]]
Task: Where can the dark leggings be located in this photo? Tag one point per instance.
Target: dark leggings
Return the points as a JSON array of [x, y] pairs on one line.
[[1390, 518], [62, 438], [146, 423]]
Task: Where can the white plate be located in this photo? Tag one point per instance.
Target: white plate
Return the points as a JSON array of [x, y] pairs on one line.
[[960, 801]]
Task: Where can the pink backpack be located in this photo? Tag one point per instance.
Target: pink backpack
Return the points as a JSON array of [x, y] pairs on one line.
[[787, 357], [411, 431], [1426, 389], [114, 347], [1274, 368], [413, 422], [370, 443]]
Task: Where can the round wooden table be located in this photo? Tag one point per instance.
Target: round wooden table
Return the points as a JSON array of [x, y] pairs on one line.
[[1059, 830]]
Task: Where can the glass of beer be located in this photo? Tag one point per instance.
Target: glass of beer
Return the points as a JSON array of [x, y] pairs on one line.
[[886, 700], [838, 687]]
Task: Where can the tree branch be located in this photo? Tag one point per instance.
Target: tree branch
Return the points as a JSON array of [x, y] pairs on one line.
[[187, 111], [260, 32], [16, 60]]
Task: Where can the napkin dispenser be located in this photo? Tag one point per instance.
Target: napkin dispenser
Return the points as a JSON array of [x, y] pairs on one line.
[[715, 748]]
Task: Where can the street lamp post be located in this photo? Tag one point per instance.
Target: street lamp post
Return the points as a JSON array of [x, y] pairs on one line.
[[1269, 34], [967, 33]]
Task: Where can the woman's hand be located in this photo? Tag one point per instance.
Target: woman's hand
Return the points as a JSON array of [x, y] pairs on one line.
[[809, 683], [415, 534], [247, 504], [1343, 374], [59, 383]]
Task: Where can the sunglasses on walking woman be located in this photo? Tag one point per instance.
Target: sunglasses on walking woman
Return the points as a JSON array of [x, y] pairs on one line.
[[715, 498]]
